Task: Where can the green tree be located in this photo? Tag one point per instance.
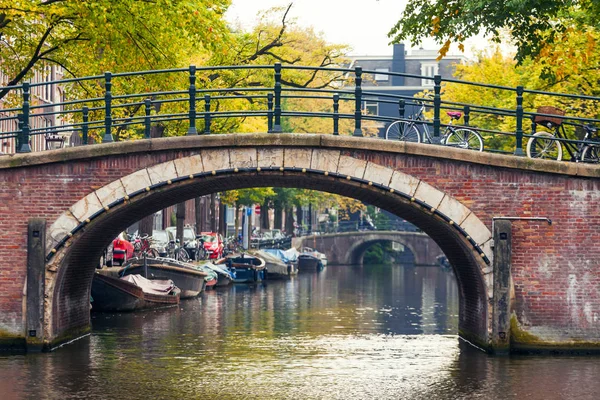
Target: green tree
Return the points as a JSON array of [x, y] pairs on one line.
[[532, 24]]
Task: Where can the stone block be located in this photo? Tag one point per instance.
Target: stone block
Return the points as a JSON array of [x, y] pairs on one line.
[[476, 229], [430, 195], [270, 157], [243, 158], [111, 192], [378, 174], [297, 158], [85, 207], [454, 209], [136, 181], [162, 172], [215, 160], [325, 160], [189, 165], [352, 167], [59, 229], [404, 183]]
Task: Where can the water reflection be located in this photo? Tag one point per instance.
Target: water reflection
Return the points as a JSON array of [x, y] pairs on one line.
[[347, 333]]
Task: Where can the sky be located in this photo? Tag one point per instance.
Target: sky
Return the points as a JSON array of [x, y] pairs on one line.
[[362, 24]]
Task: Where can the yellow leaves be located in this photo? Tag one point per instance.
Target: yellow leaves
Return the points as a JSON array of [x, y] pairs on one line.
[[444, 50]]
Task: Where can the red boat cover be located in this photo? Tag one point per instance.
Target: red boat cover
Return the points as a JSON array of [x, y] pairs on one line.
[[150, 287]]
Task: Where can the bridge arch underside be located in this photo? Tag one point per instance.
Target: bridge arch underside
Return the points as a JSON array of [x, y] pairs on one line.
[[357, 253], [77, 256]]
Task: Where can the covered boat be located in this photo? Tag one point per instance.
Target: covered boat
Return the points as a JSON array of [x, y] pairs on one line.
[[224, 275], [309, 260], [190, 280], [278, 266], [132, 292], [247, 268]]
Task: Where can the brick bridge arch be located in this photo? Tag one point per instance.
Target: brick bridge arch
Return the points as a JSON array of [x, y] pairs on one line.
[[347, 248], [87, 195]]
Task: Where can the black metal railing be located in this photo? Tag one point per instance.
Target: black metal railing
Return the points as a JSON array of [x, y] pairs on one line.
[[324, 228], [111, 110]]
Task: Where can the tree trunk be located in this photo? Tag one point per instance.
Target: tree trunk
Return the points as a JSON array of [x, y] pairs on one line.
[[249, 233], [180, 219], [237, 220], [300, 218], [264, 216], [146, 225], [278, 217], [198, 212], [213, 212], [222, 219], [289, 220]]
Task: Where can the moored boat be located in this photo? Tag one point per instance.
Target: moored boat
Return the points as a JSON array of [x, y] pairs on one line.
[[309, 260], [247, 268], [190, 280], [278, 267], [224, 276], [132, 292]]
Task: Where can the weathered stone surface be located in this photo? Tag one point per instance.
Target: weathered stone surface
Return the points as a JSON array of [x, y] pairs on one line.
[[215, 160], [325, 160], [378, 174], [189, 165], [352, 167], [243, 158], [162, 172], [60, 228], [297, 158], [270, 157], [404, 183], [136, 181], [430, 195], [85, 207], [476, 229], [111, 192], [454, 209]]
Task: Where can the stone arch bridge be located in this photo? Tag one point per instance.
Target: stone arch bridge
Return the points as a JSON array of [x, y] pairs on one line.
[[348, 248], [529, 286]]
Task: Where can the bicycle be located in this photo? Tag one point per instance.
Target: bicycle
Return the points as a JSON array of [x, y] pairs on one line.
[[177, 252], [416, 130], [201, 253], [142, 246], [546, 145]]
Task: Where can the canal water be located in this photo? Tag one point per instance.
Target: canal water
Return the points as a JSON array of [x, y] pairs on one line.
[[370, 332]]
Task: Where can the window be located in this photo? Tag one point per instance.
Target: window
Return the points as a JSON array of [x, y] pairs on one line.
[[428, 69], [382, 77], [371, 107]]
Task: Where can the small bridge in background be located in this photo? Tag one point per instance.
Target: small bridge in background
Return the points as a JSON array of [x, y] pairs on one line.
[[347, 248]]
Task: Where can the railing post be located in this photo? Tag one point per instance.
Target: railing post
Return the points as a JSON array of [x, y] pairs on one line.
[[270, 112], [336, 114], [24, 147], [437, 105], [147, 119], [85, 113], [467, 115], [107, 108], [192, 94], [401, 108], [277, 90], [19, 138], [207, 118], [357, 102], [519, 128]]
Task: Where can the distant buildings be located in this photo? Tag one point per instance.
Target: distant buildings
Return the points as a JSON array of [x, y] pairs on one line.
[[45, 96], [417, 62]]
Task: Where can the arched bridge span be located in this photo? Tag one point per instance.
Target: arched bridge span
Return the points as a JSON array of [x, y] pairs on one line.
[[87, 195], [347, 248]]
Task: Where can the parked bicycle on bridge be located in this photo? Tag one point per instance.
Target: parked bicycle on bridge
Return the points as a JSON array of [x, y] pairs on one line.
[[416, 130], [547, 144]]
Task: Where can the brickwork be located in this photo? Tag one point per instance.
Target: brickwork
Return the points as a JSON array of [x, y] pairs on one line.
[[555, 268]]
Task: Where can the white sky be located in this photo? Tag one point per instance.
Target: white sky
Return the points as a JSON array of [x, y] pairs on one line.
[[362, 24]]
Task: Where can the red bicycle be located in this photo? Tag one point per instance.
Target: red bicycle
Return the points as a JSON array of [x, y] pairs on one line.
[[142, 247]]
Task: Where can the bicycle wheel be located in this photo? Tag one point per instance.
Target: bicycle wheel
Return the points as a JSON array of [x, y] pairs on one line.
[[403, 131], [182, 255], [545, 146], [464, 139], [590, 154]]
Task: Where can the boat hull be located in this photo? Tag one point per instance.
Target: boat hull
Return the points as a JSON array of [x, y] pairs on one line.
[[248, 274], [190, 281], [113, 294], [309, 263]]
